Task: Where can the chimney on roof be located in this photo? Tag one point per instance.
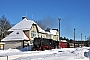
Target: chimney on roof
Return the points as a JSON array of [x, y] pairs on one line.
[[23, 17]]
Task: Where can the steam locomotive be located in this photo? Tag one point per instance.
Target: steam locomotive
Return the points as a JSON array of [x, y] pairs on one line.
[[43, 44]]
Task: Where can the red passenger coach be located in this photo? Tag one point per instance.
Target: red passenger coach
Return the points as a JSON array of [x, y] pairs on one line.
[[63, 44]]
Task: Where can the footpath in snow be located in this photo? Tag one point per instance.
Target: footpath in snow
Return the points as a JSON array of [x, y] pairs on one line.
[[54, 54]]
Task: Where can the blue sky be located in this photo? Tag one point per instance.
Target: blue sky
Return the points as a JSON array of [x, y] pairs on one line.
[[73, 14]]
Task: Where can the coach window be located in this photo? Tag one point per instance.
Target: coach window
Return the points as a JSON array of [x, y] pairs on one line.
[[33, 34]]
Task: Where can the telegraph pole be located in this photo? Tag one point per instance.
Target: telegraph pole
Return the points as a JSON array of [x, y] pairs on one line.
[[81, 39], [59, 32], [85, 41], [74, 37]]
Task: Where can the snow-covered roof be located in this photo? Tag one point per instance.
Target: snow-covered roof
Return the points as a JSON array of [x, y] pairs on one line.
[[15, 36], [53, 32], [40, 30], [63, 40], [22, 25], [48, 33], [25, 24]]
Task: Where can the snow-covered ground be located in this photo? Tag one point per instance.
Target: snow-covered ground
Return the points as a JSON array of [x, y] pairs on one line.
[[54, 54]]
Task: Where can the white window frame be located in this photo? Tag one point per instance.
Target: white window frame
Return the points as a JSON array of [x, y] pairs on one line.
[[33, 34]]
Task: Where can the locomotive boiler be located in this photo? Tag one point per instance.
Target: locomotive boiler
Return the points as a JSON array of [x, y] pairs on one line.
[[43, 44]]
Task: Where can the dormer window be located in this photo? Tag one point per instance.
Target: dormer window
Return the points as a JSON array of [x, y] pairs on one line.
[[17, 33]]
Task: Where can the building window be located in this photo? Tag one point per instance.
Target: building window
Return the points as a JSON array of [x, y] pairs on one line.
[[48, 36], [33, 34], [39, 35]]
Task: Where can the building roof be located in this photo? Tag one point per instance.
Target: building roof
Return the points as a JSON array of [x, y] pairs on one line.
[[63, 40], [53, 32], [16, 36], [25, 24]]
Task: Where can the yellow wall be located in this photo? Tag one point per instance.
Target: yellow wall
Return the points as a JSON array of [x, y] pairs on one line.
[[43, 35], [51, 36], [33, 28], [55, 37]]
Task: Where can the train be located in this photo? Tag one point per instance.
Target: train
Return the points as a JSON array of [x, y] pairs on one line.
[[45, 44]]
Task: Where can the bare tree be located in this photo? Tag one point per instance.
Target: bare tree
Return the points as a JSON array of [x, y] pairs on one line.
[[4, 26]]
